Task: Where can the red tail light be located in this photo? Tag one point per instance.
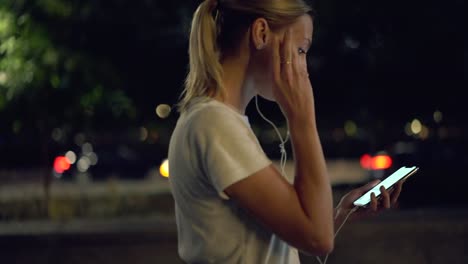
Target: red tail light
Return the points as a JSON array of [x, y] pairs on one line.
[[61, 164], [366, 161], [379, 162]]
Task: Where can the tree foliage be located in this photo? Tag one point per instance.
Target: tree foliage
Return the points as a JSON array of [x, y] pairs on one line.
[[45, 77]]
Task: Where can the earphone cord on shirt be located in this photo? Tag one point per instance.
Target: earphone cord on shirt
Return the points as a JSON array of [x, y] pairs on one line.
[[336, 233], [284, 155]]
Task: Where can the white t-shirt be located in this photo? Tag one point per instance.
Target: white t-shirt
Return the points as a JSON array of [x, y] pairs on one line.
[[212, 147]]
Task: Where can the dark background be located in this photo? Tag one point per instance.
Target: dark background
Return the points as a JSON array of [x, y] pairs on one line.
[[95, 71], [86, 76]]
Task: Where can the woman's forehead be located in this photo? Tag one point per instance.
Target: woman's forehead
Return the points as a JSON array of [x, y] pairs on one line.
[[303, 27]]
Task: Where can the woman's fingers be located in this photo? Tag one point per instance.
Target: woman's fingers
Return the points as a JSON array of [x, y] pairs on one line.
[[299, 64], [293, 91], [386, 200], [288, 47], [284, 50], [374, 203], [385, 197], [287, 56], [396, 192]]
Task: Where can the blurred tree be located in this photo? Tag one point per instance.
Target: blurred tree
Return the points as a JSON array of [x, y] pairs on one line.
[[71, 67], [47, 83]]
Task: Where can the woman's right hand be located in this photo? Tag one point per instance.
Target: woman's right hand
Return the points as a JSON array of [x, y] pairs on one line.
[[292, 88], [300, 213]]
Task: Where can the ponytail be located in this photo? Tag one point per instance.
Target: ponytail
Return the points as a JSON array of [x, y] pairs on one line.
[[205, 72]]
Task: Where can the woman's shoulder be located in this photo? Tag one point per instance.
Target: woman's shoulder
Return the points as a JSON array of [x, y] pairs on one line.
[[210, 111], [212, 117]]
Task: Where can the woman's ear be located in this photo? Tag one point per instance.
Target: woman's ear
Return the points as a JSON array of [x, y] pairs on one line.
[[260, 33]]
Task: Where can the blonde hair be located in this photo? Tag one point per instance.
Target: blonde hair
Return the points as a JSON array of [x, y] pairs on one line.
[[216, 25]]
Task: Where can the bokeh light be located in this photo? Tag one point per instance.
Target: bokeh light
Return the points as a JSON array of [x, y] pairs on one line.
[[366, 161], [3, 77], [416, 126], [87, 148], [163, 110], [381, 162], [378, 162], [83, 164], [350, 128], [57, 134], [437, 116], [143, 133], [93, 158], [71, 157], [61, 164], [164, 168]]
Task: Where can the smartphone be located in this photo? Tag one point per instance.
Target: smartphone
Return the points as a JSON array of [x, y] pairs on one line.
[[402, 173]]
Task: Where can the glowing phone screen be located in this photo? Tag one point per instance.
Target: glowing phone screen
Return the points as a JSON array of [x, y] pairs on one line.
[[387, 183]]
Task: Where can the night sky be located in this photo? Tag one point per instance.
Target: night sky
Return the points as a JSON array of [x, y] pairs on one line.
[[390, 60]]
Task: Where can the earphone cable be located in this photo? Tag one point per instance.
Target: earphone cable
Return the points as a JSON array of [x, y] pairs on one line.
[[284, 154]]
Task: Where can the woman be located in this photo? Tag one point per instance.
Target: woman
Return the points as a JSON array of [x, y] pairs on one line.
[[232, 204]]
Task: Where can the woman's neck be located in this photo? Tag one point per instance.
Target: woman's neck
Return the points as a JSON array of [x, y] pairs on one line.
[[239, 90]]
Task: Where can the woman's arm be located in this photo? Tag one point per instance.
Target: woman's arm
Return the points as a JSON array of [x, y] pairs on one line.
[[311, 182], [302, 213]]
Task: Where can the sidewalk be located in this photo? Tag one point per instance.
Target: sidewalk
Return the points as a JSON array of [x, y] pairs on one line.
[[70, 200], [435, 236]]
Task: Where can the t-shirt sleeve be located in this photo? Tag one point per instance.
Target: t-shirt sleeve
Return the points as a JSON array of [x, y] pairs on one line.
[[227, 147]]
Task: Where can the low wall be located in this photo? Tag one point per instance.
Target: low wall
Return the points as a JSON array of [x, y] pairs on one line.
[[412, 236]]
